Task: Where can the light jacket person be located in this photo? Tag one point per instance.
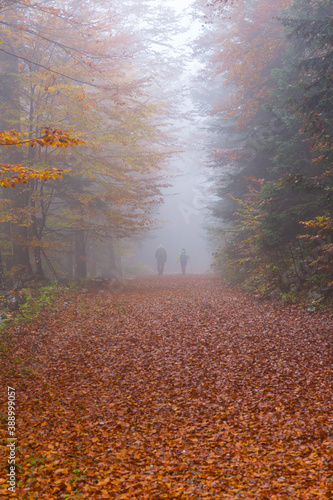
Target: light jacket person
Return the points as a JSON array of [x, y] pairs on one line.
[[183, 258]]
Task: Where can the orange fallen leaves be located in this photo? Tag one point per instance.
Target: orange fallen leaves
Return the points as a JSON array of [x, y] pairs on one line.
[[232, 398]]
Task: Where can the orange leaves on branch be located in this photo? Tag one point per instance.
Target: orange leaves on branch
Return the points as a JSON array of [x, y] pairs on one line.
[[48, 137], [22, 175], [322, 222]]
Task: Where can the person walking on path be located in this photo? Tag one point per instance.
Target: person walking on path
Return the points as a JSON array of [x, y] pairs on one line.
[[161, 257], [183, 258]]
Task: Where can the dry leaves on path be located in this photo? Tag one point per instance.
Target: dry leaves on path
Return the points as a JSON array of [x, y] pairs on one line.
[[176, 387]]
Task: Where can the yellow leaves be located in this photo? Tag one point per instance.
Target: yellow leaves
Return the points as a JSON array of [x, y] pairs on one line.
[[54, 137], [49, 137], [323, 222], [22, 175], [11, 137]]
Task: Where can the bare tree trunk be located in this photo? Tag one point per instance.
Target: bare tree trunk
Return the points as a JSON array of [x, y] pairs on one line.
[[80, 269], [71, 264], [38, 262], [10, 105], [93, 261], [2, 278], [20, 235], [112, 260]]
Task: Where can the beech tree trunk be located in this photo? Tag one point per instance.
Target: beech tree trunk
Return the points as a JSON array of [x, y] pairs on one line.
[[19, 234], [9, 101], [38, 262], [2, 278], [80, 267]]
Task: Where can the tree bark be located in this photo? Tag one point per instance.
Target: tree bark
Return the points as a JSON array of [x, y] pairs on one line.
[[38, 262], [80, 268], [9, 100]]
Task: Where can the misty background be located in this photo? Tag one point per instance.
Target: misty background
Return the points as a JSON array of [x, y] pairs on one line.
[[197, 125], [184, 216]]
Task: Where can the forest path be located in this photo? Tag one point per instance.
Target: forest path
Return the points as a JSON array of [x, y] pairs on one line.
[[174, 388]]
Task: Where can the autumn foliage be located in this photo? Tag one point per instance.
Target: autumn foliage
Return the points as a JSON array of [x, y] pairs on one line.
[[245, 45], [172, 388], [84, 89], [21, 174], [271, 70]]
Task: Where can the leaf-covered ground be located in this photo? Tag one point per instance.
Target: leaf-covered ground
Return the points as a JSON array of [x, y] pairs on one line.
[[173, 388]]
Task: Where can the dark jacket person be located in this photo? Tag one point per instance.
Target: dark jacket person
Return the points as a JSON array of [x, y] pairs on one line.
[[161, 257]]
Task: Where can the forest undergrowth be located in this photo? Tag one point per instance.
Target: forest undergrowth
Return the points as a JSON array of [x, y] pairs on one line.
[[175, 387]]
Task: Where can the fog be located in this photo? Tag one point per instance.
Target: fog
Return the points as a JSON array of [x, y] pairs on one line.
[[147, 135], [183, 218]]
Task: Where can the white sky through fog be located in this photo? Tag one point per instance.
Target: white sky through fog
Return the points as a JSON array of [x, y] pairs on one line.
[[178, 5], [183, 214]]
